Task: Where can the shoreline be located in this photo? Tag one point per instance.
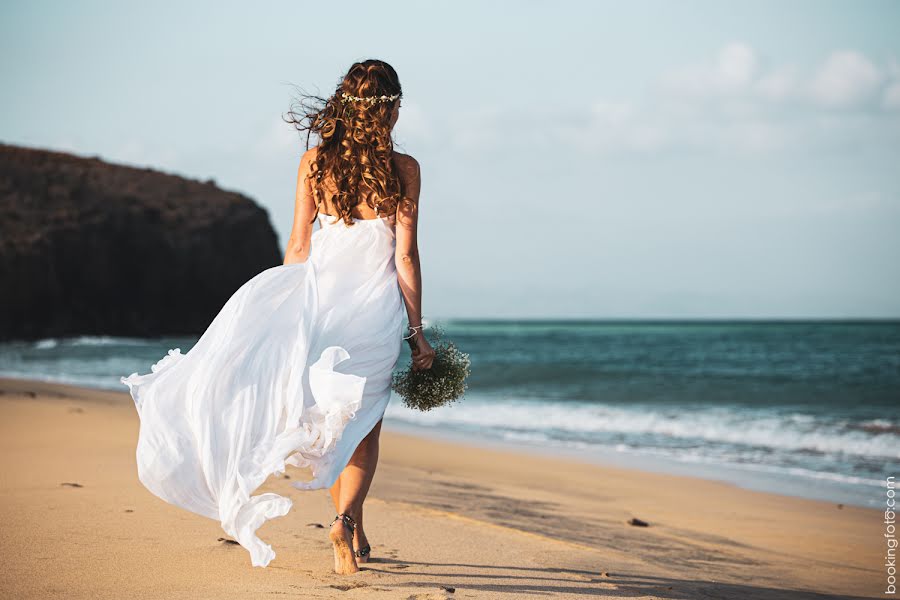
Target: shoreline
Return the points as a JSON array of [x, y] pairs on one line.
[[488, 522], [770, 482], [781, 482]]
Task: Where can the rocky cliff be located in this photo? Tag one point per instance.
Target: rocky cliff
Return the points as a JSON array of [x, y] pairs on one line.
[[92, 248]]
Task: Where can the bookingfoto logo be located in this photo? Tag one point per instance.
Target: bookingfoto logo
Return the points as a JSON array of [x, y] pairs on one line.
[[890, 558]]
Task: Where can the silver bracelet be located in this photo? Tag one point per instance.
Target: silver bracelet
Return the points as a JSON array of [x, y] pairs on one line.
[[415, 329]]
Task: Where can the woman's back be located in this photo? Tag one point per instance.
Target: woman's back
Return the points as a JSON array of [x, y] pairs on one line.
[[364, 208]]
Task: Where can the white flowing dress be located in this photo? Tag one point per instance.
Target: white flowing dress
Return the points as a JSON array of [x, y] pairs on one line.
[[294, 370]]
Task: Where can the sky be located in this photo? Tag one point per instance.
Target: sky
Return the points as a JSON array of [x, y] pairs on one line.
[[579, 159]]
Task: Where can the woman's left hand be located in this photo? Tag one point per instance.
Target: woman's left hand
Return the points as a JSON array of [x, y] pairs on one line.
[[423, 354]]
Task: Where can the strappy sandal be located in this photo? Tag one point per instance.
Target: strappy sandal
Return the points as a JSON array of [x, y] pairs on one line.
[[363, 552], [346, 563], [348, 521]]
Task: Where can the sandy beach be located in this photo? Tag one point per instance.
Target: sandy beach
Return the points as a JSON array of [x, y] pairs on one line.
[[445, 520]]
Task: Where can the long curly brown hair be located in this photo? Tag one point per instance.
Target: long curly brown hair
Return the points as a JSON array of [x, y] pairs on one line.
[[354, 160]]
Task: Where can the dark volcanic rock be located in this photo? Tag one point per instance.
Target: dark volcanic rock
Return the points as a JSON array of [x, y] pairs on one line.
[[91, 248]]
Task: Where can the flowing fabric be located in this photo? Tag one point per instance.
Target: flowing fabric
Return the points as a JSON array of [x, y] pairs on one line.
[[294, 370]]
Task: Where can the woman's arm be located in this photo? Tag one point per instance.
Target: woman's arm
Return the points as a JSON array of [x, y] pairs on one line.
[[304, 212], [409, 272]]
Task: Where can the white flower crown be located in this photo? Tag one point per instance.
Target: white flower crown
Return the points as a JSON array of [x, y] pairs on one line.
[[345, 98]]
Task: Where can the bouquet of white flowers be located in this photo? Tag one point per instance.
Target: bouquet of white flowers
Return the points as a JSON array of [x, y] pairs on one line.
[[443, 383]]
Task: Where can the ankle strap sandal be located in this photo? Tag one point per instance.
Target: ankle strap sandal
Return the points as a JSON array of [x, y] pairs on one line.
[[347, 519]]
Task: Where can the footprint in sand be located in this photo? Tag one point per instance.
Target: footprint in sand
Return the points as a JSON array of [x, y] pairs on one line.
[[346, 587]]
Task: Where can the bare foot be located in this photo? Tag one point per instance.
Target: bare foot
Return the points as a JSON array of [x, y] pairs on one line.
[[360, 541], [342, 540]]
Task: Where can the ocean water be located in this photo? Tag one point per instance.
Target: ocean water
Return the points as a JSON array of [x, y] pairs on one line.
[[802, 408]]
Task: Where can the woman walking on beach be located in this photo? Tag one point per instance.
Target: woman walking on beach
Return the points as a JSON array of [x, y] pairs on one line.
[[296, 367]]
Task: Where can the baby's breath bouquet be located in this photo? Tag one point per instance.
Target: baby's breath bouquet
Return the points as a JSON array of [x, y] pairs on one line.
[[443, 383]]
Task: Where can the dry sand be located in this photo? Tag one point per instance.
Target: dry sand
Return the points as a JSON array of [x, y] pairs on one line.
[[487, 523]]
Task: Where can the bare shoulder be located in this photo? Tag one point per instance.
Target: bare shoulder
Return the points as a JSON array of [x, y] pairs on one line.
[[309, 155], [408, 166], [405, 160]]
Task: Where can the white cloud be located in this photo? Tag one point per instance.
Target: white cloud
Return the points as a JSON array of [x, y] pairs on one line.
[[612, 113], [609, 126], [893, 68], [845, 79], [736, 65], [732, 103], [619, 124], [778, 85], [891, 98], [733, 69]]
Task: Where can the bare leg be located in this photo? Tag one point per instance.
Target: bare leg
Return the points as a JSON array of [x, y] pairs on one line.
[[359, 535], [348, 494]]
